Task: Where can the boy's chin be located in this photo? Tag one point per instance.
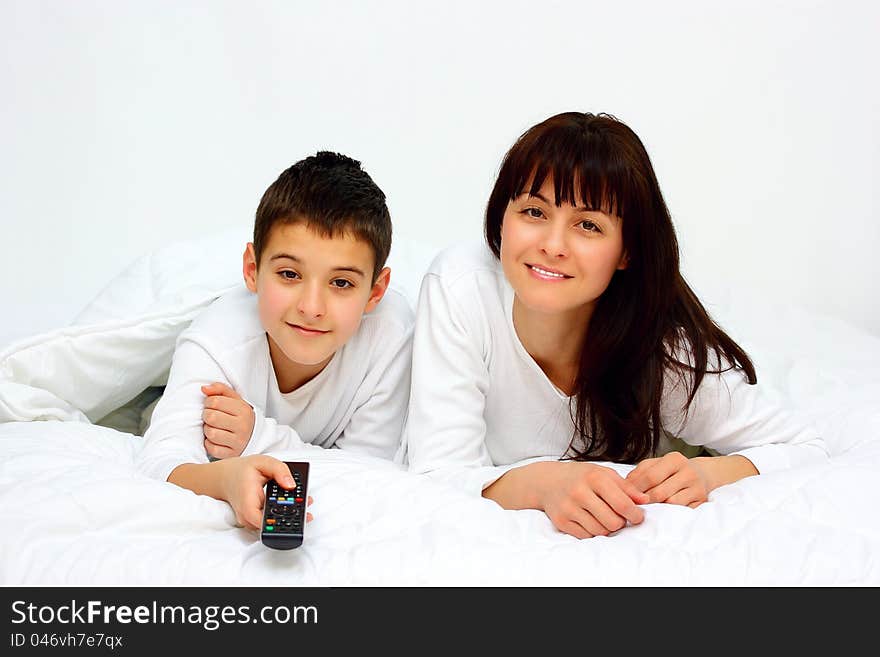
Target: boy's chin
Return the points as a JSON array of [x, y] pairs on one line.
[[304, 357], [309, 359]]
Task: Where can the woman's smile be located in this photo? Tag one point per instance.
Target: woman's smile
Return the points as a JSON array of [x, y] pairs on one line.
[[547, 273]]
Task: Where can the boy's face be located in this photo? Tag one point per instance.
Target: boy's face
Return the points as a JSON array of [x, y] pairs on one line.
[[312, 294]]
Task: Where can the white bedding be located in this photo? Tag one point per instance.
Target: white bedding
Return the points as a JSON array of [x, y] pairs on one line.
[[99, 522]]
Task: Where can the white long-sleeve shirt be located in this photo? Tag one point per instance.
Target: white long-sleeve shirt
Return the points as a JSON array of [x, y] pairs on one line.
[[357, 402], [480, 405]]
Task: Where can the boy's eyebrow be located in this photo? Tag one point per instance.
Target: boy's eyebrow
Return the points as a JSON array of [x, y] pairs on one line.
[[354, 270]]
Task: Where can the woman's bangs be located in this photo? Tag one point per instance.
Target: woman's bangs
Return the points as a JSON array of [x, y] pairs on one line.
[[583, 175]]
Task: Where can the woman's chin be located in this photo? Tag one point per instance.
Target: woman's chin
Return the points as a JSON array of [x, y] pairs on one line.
[[545, 304]]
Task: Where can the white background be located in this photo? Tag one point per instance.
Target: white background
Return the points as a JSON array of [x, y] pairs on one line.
[[129, 125]]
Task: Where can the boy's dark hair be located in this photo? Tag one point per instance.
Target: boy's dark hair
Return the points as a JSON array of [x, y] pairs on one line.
[[331, 193]]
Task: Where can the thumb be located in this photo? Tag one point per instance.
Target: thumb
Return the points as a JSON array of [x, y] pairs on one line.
[[279, 471]]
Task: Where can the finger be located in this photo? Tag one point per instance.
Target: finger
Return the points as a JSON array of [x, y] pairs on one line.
[[214, 388], [254, 517], [219, 420], [666, 468], [309, 517], [232, 406], [220, 437], [253, 508], [634, 493], [621, 497], [309, 500], [272, 468], [599, 519], [218, 388], [638, 472], [218, 451], [648, 474], [573, 528], [678, 481], [687, 497], [249, 516]]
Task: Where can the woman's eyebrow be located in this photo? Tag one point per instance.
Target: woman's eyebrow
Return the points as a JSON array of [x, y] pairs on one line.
[[536, 195], [540, 196]]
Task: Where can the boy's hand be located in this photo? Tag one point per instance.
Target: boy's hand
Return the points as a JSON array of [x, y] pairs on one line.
[[243, 481], [228, 421]]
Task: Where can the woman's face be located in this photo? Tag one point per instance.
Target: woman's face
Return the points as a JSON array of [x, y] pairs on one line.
[[559, 259]]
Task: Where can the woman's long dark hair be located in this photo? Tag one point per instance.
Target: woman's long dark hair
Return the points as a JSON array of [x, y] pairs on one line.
[[648, 324]]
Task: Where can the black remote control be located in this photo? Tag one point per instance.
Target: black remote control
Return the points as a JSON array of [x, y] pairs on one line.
[[284, 513]]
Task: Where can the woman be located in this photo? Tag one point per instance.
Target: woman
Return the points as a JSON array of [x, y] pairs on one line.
[[574, 339]]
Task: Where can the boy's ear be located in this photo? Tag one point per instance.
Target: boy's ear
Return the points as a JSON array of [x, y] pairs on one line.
[[379, 289], [249, 267]]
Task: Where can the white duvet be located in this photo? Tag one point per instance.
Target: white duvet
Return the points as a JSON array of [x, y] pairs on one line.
[[75, 511]]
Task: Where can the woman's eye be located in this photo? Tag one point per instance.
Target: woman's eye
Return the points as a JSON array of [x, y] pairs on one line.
[[288, 274], [534, 213], [589, 226], [341, 283]]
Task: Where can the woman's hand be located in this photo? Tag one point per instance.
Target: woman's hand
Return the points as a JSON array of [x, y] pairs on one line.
[[228, 421], [675, 479], [243, 482], [581, 499], [672, 478]]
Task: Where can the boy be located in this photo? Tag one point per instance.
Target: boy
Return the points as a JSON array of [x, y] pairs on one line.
[[305, 358]]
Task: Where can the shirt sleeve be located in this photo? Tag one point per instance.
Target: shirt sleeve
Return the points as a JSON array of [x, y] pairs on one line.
[[376, 426], [445, 428], [176, 436], [731, 416], [270, 436]]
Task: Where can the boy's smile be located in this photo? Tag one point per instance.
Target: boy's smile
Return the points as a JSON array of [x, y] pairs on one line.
[[313, 291], [307, 332]]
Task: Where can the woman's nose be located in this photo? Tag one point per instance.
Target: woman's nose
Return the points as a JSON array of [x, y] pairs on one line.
[[553, 241]]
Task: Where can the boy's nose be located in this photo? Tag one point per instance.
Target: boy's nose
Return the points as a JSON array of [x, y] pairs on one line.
[[311, 303]]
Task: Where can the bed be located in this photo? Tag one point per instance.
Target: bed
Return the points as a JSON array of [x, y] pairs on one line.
[[74, 401]]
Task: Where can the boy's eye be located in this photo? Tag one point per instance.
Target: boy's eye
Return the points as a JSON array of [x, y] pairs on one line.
[[288, 274], [341, 283]]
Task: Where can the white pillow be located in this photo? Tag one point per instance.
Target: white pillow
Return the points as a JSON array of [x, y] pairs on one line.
[[121, 343]]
